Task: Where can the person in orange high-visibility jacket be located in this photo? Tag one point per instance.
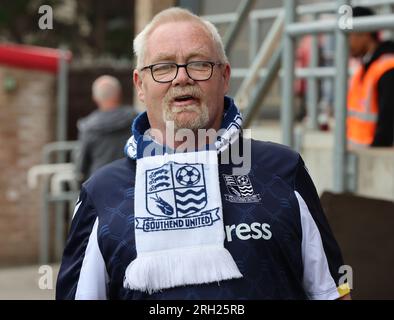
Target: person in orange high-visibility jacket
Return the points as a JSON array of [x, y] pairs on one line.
[[370, 103]]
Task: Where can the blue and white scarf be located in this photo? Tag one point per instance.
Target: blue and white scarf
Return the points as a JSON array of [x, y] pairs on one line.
[[179, 230]]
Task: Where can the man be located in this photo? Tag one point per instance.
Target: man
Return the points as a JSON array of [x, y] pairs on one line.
[[370, 119], [185, 224], [105, 131]]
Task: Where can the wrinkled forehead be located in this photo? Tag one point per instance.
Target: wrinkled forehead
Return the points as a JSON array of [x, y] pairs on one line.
[[171, 40]]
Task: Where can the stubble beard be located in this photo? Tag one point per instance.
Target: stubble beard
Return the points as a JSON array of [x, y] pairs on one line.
[[173, 114]]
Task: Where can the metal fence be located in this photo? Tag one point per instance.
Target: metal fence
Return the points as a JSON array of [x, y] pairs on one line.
[[60, 190], [339, 26]]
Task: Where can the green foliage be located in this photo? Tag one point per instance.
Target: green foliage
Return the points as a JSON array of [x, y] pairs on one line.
[[96, 28]]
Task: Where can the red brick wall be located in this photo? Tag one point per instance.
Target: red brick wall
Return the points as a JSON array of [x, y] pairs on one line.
[[27, 123]]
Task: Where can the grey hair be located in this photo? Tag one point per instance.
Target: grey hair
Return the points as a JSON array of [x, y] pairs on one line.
[[175, 14], [106, 87]]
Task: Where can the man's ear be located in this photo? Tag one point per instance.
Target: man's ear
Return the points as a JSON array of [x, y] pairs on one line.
[[138, 85], [226, 77]]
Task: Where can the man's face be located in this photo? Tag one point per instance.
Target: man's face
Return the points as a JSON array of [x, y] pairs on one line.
[[190, 104], [358, 43]]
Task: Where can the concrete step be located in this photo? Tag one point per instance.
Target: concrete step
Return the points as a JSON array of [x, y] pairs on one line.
[[374, 167]]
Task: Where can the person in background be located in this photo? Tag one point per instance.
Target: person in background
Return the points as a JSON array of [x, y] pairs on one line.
[[370, 119], [105, 131]]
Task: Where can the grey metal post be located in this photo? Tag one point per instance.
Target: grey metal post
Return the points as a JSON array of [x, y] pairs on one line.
[[254, 39], [312, 93], [388, 10], [235, 28], [287, 107], [62, 88], [341, 79], [44, 223]]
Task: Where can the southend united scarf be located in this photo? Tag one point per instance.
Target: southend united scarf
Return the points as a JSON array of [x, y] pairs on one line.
[[178, 221]]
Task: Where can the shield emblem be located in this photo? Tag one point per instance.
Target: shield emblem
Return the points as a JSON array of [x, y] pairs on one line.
[[176, 190], [239, 185]]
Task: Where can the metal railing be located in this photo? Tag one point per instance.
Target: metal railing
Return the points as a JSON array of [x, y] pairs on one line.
[[339, 72], [263, 55], [60, 188], [295, 29]]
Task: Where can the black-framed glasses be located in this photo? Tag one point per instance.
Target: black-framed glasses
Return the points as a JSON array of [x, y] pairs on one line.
[[168, 71]]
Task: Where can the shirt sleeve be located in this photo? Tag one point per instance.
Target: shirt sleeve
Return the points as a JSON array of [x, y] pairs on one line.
[[82, 274], [321, 255]]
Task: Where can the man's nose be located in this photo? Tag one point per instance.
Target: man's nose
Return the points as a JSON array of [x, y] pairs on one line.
[[182, 78]]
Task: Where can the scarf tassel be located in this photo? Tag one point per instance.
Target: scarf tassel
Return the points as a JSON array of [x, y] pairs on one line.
[[153, 271]]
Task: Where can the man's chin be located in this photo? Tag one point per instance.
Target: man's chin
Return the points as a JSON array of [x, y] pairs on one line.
[[186, 120]]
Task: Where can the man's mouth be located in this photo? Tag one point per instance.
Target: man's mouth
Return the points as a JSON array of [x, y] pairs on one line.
[[185, 100]]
